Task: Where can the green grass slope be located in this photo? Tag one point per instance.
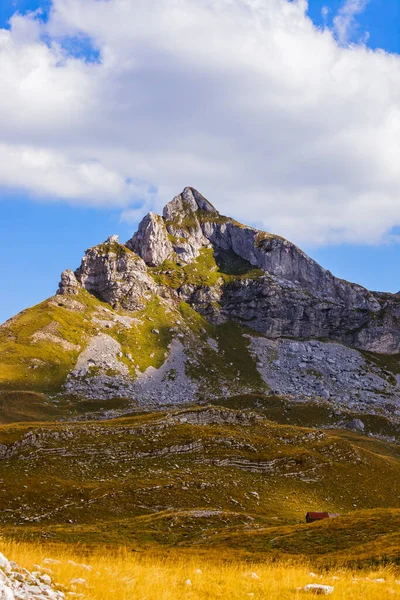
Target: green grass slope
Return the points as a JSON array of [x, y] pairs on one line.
[[40, 345]]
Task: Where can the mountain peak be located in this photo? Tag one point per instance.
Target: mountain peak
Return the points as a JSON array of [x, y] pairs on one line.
[[199, 251], [177, 235], [188, 202]]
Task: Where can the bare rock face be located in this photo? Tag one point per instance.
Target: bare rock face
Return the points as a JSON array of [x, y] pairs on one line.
[[280, 257], [69, 285], [151, 241], [182, 222], [278, 307], [188, 202], [297, 297], [116, 275]]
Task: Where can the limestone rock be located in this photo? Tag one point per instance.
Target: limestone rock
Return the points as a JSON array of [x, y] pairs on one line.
[[182, 222], [316, 588], [113, 239], [277, 307], [356, 425], [151, 241], [116, 275], [315, 371], [17, 583], [189, 201], [69, 284]]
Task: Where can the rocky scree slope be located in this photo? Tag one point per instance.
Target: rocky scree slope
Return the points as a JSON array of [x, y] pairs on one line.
[[196, 306]]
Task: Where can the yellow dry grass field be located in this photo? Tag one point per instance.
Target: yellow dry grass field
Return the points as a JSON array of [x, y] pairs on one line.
[[105, 575]]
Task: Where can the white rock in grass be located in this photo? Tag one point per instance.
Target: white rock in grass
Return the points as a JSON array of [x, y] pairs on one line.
[[86, 567], [316, 588], [3, 561], [33, 589], [254, 576], [7, 593], [188, 582], [78, 581]]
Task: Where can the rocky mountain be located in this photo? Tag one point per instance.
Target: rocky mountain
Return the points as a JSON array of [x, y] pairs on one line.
[[196, 307], [203, 385]]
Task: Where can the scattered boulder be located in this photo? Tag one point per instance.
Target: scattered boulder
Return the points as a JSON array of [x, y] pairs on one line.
[[318, 589], [356, 425]]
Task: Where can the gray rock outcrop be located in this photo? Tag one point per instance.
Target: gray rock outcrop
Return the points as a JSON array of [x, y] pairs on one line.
[[116, 275], [69, 285], [182, 221], [151, 241], [328, 372], [278, 307]]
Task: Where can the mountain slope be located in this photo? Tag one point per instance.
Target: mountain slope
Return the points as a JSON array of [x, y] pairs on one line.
[[196, 307], [203, 385], [188, 477]]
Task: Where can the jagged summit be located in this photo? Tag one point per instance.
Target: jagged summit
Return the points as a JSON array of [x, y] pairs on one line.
[[188, 202], [285, 292], [177, 234]]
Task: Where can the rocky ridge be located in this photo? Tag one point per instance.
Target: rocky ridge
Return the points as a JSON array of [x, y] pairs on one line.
[[197, 307], [291, 296]]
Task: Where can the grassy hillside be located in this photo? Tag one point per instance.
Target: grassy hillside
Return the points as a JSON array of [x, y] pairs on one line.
[[41, 345], [359, 539], [200, 477]]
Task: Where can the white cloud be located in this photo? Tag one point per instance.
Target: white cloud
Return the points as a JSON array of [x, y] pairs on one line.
[[51, 173], [271, 118], [345, 22], [325, 10]]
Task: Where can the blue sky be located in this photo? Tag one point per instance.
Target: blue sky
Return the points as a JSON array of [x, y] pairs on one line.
[[381, 19], [46, 229]]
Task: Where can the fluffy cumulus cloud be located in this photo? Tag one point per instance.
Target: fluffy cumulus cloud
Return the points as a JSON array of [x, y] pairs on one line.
[[279, 123]]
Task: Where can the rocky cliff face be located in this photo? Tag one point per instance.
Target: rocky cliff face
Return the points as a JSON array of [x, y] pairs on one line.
[[291, 296], [114, 274], [151, 241]]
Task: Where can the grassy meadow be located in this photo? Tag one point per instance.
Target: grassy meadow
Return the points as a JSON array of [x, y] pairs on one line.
[[121, 574]]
